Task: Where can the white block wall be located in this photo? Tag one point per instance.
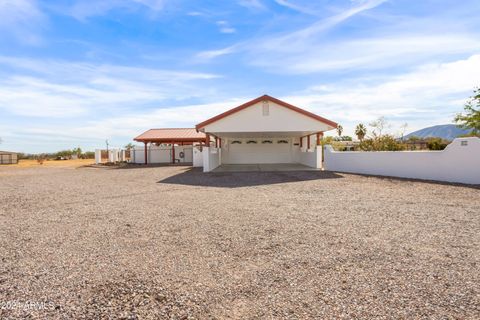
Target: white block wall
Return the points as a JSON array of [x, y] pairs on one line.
[[311, 158], [211, 158], [459, 162]]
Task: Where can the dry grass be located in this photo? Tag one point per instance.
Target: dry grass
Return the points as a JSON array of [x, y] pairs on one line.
[[53, 163], [166, 242]]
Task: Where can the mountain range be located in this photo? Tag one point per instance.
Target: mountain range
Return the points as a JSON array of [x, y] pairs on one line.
[[445, 131]]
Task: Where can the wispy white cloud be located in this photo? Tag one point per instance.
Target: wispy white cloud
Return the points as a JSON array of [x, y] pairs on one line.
[[224, 27], [22, 19], [87, 88], [118, 129], [152, 4], [252, 4], [83, 9], [297, 7], [431, 94], [365, 53], [211, 54], [292, 39], [326, 24]]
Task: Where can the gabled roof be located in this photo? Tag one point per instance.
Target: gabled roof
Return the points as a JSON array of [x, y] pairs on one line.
[[260, 99], [171, 135]]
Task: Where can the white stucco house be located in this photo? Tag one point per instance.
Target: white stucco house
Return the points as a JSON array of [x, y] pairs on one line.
[[265, 130]]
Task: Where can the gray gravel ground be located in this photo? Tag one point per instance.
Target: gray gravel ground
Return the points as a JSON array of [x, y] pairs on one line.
[[166, 242]]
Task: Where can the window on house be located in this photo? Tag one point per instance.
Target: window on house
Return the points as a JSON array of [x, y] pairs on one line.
[[236, 142], [251, 142], [267, 141], [282, 141]]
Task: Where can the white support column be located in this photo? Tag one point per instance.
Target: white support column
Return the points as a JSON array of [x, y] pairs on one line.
[[98, 156]]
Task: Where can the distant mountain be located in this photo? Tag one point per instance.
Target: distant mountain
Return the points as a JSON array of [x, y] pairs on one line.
[[445, 131]]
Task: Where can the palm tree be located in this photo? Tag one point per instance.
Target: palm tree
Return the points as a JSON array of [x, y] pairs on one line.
[[339, 130], [361, 131], [129, 146], [77, 151]]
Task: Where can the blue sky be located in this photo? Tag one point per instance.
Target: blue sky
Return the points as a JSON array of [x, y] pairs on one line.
[[74, 73]]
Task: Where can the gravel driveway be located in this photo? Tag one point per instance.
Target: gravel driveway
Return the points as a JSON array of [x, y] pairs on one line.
[[169, 242]]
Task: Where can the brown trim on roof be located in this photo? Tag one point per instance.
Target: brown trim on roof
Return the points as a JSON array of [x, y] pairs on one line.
[[262, 98], [170, 140], [172, 134]]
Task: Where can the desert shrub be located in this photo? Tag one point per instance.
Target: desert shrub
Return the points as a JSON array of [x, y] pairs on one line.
[[436, 143], [88, 155], [381, 143]]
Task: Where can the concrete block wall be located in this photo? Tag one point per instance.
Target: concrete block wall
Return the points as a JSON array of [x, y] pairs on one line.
[[459, 162]]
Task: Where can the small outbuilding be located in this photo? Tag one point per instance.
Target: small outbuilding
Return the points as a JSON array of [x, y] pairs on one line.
[[7, 157]]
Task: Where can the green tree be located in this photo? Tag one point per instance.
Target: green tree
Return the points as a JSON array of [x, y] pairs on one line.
[[360, 131], [339, 130], [471, 118], [77, 151]]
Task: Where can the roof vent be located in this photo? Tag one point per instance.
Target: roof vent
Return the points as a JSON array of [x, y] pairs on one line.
[[265, 108]]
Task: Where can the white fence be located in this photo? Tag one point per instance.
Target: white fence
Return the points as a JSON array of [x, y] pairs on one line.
[[161, 154], [197, 156], [112, 155], [459, 162]]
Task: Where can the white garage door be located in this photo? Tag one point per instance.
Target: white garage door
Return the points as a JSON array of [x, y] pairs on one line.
[[247, 153]]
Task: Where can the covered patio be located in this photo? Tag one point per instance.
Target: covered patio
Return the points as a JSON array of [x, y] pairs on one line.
[[171, 137]]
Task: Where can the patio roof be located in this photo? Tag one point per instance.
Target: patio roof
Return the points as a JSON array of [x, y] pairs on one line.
[[171, 135]]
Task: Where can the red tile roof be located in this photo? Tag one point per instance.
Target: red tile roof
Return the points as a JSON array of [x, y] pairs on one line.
[[262, 98], [171, 135]]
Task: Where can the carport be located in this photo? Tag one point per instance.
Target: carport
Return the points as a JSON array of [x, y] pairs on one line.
[[266, 133]]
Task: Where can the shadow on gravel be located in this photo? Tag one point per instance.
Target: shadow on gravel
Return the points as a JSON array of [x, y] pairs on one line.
[[154, 165], [195, 177], [400, 179]]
